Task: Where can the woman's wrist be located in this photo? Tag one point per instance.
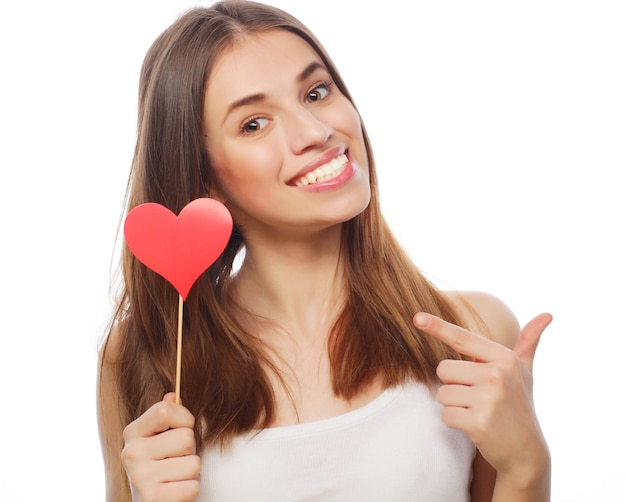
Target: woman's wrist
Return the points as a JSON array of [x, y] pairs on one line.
[[525, 483]]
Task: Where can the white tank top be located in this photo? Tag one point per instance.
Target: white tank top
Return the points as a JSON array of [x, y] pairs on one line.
[[394, 449]]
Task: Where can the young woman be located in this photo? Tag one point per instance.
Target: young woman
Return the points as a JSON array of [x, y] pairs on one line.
[[324, 367]]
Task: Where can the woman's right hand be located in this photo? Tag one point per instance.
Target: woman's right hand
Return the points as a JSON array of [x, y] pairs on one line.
[[159, 454]]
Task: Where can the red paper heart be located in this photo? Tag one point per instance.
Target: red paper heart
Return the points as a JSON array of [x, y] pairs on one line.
[[179, 248]]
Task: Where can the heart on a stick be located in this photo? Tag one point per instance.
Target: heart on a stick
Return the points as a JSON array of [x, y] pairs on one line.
[[179, 248]]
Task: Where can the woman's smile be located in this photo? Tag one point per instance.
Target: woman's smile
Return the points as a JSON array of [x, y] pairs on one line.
[[325, 171]]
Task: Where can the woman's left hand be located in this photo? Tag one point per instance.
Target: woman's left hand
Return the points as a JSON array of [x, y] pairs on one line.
[[490, 397]]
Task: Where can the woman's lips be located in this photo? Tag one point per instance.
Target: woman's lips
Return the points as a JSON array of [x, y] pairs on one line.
[[336, 179], [323, 173]]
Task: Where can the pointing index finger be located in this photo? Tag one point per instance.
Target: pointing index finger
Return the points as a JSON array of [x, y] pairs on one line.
[[460, 339]]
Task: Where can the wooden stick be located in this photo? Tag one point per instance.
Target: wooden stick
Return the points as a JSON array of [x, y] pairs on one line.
[[179, 347]]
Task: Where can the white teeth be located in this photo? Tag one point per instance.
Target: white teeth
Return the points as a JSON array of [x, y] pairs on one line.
[[326, 172]]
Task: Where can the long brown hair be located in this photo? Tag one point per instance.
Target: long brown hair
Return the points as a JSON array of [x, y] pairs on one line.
[[225, 371]]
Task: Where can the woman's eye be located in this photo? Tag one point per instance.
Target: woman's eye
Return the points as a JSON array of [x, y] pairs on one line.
[[254, 125], [318, 93]]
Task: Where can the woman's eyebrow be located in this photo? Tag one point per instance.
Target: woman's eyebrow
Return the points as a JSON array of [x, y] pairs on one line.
[[315, 65], [248, 100]]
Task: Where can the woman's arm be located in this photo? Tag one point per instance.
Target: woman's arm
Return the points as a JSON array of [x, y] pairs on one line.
[[156, 452], [110, 424], [490, 397]]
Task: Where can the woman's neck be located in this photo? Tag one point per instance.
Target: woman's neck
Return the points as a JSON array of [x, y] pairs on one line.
[[297, 284]]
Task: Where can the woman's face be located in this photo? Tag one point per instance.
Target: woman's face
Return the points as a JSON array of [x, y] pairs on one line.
[[286, 144]]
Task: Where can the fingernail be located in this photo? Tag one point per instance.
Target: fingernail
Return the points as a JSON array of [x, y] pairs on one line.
[[422, 320]]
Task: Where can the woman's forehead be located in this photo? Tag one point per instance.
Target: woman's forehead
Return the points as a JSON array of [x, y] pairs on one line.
[[262, 55], [259, 63]]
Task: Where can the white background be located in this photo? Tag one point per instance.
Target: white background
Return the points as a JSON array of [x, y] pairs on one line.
[[499, 130]]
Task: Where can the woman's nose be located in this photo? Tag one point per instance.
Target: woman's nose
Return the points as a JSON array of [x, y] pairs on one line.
[[305, 130]]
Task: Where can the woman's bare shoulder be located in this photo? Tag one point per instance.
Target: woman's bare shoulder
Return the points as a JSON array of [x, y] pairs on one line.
[[487, 314]]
